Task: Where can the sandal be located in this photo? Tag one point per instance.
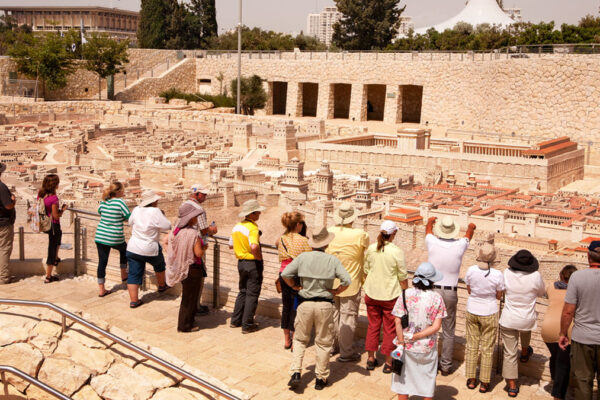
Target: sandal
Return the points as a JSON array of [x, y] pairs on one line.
[[52, 278], [106, 292], [288, 346], [135, 304], [525, 358], [124, 280], [387, 369], [484, 387], [472, 383], [372, 364], [513, 392], [163, 288]]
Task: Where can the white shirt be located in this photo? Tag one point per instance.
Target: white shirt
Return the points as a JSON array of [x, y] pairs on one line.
[[446, 256], [522, 291], [482, 300], [146, 224]]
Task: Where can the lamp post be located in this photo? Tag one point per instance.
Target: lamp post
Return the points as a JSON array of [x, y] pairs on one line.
[[239, 79]]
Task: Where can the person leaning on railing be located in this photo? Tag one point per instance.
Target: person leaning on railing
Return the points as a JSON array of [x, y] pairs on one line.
[[7, 228], [109, 232]]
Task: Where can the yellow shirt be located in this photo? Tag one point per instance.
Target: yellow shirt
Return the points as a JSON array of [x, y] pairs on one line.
[[349, 247], [385, 270], [243, 235]]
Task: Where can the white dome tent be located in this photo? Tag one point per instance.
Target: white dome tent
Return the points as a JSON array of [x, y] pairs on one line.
[[475, 13]]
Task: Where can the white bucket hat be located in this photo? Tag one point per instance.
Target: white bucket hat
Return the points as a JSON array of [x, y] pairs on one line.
[[487, 253], [249, 207], [148, 197], [446, 228], [320, 238], [388, 227], [346, 214]]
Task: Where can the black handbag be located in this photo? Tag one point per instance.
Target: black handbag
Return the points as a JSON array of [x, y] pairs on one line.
[[404, 318], [397, 366]]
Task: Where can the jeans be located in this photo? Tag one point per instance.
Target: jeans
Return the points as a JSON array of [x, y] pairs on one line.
[[251, 277], [448, 327], [288, 313], [54, 240], [137, 266], [103, 252], [560, 369], [190, 291]]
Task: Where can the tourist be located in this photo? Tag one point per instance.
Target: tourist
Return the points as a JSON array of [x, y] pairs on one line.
[[524, 284], [197, 197], [445, 251], [560, 360], [146, 222], [386, 279], [7, 227], [425, 309], [54, 211], [184, 264], [290, 245], [349, 247], [485, 286], [316, 271], [246, 246], [109, 233], [581, 308]]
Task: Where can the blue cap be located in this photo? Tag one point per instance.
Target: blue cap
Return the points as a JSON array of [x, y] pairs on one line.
[[426, 272], [594, 245]]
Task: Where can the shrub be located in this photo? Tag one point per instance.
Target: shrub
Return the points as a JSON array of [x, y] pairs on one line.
[[218, 101]]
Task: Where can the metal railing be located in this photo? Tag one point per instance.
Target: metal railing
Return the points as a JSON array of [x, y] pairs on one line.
[[165, 364], [34, 381]]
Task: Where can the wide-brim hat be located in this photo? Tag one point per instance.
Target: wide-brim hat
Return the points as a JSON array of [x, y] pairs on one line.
[[187, 211], [346, 214], [447, 228], [487, 253], [427, 271], [149, 197], [524, 261], [2, 167], [320, 238], [250, 207]]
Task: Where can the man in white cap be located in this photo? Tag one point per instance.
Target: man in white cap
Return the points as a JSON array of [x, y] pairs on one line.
[[7, 228], [245, 237], [197, 197], [349, 246], [317, 272], [445, 251]]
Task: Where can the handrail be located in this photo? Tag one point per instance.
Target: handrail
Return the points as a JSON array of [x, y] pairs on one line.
[[66, 314], [32, 380]]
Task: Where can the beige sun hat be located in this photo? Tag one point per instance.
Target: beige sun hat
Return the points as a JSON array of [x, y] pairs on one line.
[[346, 214], [149, 197], [446, 228], [320, 238], [249, 207], [487, 253]]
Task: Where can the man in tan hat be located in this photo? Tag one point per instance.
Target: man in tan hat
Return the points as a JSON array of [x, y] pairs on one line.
[[245, 237], [349, 246], [317, 271], [445, 251], [7, 228]]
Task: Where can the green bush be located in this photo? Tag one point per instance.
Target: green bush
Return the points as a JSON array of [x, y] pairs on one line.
[[218, 101]]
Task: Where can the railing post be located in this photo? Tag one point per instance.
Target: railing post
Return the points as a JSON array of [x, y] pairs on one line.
[[168, 64], [77, 245], [125, 80], [84, 243], [151, 72], [21, 243], [216, 274], [138, 74], [4, 383]]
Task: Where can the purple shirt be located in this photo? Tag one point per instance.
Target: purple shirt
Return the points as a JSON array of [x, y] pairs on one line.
[[48, 201]]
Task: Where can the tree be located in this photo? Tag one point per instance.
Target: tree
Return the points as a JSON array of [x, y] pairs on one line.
[[253, 95], [209, 19], [45, 56], [154, 16], [104, 56], [366, 24]]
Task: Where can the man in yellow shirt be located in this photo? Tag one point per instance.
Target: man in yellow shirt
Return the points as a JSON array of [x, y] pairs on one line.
[[245, 237], [349, 247]]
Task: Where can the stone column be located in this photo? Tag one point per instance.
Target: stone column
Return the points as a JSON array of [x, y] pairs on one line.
[[358, 102], [325, 101], [269, 106], [293, 107], [392, 114], [577, 231], [530, 224], [499, 220]]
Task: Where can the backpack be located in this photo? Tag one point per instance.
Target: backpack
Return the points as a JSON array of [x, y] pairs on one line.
[[39, 220]]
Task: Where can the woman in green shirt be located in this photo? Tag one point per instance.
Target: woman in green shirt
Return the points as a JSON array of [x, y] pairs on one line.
[[386, 278], [109, 233]]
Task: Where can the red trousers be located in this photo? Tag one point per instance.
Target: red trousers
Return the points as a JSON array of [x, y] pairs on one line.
[[380, 313]]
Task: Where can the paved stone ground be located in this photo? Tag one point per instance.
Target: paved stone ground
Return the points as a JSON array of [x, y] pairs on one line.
[[255, 363]]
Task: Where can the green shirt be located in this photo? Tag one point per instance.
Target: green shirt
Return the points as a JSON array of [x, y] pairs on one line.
[[385, 270], [317, 271], [110, 228]]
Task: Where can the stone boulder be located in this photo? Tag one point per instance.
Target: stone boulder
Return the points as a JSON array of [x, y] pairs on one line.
[[174, 394], [24, 357], [86, 393], [156, 374], [63, 374], [13, 334], [122, 383], [96, 360], [87, 338]]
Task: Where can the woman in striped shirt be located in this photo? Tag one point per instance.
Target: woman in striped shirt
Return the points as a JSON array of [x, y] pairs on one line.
[[109, 233]]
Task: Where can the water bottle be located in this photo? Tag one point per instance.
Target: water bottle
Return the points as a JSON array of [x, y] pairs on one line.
[[397, 352]]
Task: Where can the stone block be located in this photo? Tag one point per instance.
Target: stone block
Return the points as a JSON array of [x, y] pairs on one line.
[[86, 393], [122, 383], [158, 375], [24, 357], [63, 374], [97, 360]]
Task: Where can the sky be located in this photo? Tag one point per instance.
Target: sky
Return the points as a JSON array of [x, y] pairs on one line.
[[290, 15]]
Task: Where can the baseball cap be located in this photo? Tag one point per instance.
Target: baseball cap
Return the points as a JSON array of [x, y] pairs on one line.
[[388, 227], [199, 188]]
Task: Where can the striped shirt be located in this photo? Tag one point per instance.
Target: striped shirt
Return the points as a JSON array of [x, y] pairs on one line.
[[110, 228]]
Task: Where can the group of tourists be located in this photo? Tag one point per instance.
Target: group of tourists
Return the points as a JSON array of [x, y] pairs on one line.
[[323, 272]]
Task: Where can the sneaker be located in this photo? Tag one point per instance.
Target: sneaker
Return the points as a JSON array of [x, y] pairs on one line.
[[294, 380], [250, 329], [202, 310], [351, 358], [235, 326], [320, 384]]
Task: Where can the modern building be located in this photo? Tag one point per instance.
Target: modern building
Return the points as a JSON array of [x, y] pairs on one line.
[[404, 26], [321, 25], [119, 24], [514, 13]]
